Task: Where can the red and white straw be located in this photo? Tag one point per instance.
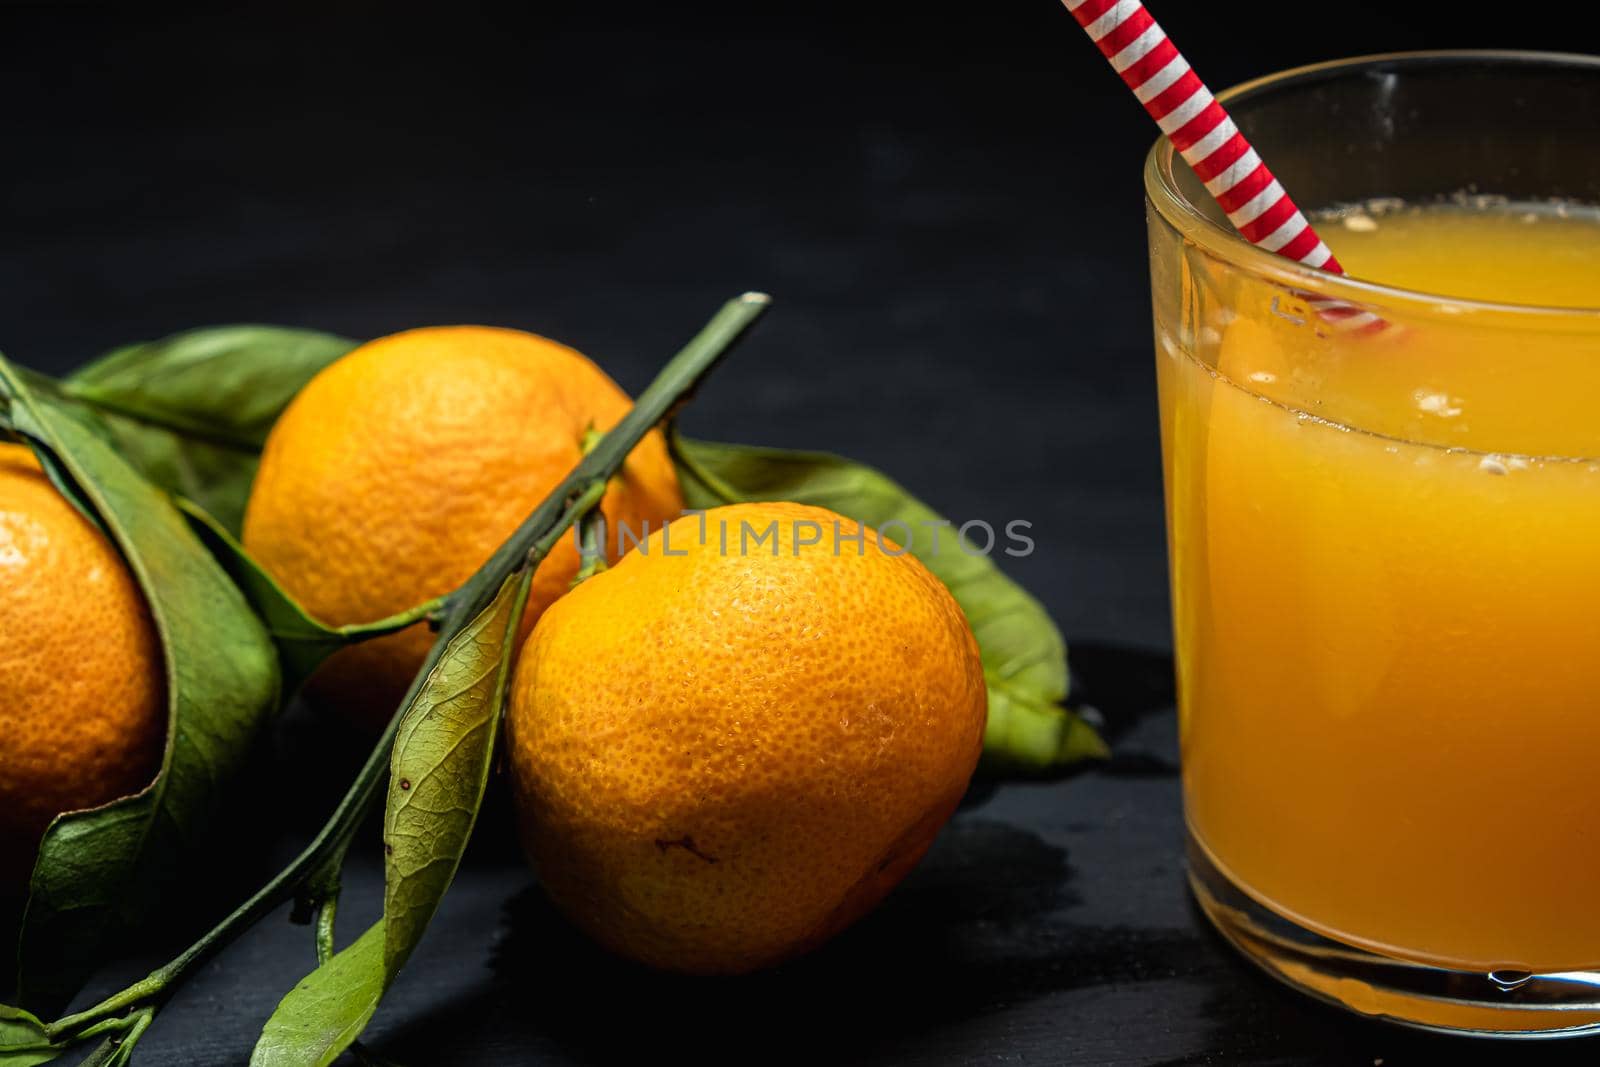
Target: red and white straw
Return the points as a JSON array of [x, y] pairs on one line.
[[1255, 202]]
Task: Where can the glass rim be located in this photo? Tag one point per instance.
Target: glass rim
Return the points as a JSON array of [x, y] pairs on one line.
[[1161, 190]]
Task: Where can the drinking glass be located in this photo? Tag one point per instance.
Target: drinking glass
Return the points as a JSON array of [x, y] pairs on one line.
[[1385, 558]]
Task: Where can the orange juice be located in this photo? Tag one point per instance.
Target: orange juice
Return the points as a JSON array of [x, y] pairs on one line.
[[1385, 556]]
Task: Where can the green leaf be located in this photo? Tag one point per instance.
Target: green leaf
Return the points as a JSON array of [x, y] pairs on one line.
[[11, 1057], [1024, 656], [40, 385], [19, 1027], [1027, 735], [439, 767], [442, 755], [192, 411], [101, 868], [23, 1039], [303, 642], [327, 1011]]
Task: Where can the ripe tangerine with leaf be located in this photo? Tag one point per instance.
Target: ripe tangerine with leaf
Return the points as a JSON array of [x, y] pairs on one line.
[[725, 757], [400, 468], [82, 691]]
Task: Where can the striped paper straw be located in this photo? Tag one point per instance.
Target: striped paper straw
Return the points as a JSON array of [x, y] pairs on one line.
[[1149, 63], [1255, 202]]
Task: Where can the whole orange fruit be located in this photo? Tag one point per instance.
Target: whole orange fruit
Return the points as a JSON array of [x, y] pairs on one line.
[[723, 758], [400, 468], [82, 694]]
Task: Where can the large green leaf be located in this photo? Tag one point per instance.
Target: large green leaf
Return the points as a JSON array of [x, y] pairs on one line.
[[191, 411], [443, 750], [327, 1011], [23, 1040], [26, 1057], [97, 869], [1024, 656]]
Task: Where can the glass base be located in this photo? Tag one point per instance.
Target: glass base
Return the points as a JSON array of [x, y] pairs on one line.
[[1499, 1004]]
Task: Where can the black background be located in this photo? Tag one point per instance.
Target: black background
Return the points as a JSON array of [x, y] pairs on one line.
[[944, 200]]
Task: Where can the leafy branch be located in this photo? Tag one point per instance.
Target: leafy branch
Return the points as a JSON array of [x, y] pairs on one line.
[[466, 619]]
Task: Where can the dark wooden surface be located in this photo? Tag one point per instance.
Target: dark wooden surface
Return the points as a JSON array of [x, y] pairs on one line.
[[913, 183]]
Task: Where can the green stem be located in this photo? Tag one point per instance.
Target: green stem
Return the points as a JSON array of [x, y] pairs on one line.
[[532, 541], [142, 1021], [393, 623], [120, 1024], [591, 545], [117, 1048], [685, 460], [325, 913]]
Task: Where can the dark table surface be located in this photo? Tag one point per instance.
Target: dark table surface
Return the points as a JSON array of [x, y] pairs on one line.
[[944, 200]]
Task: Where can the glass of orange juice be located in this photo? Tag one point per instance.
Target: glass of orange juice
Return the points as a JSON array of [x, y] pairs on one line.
[[1385, 543]]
